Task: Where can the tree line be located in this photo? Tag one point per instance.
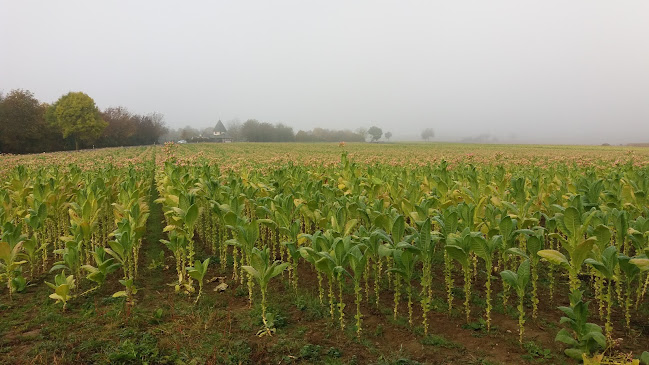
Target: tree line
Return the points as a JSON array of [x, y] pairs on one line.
[[254, 131], [72, 122]]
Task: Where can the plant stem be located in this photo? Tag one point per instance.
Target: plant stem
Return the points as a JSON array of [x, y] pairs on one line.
[[341, 304], [467, 292], [521, 318]]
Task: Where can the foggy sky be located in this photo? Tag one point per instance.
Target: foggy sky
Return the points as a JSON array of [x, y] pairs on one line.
[[527, 71]]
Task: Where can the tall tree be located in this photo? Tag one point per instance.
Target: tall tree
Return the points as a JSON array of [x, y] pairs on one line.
[[121, 127], [250, 131], [284, 133], [234, 129], [76, 114], [375, 132], [388, 135], [427, 134], [150, 128], [22, 124]]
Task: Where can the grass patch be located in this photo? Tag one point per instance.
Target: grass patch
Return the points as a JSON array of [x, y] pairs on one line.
[[440, 341]]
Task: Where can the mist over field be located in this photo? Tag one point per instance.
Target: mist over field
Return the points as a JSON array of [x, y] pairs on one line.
[[485, 71]]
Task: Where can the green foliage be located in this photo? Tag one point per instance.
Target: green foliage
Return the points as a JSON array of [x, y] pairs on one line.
[[644, 358], [78, 117], [11, 242], [198, 272], [23, 128], [581, 337], [104, 267], [536, 353], [62, 286], [263, 270], [375, 132], [575, 226], [439, 341], [310, 352], [519, 281]]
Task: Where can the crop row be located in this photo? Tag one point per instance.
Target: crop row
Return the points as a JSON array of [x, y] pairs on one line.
[[517, 230]]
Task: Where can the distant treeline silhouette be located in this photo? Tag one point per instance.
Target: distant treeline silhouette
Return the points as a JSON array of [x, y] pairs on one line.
[[255, 131]]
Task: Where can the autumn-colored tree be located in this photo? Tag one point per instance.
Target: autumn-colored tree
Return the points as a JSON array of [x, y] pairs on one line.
[[76, 114], [121, 127]]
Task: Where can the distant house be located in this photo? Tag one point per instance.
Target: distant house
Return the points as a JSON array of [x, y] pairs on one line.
[[221, 134]]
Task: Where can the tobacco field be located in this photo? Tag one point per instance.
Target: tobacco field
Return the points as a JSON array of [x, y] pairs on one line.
[[325, 254]]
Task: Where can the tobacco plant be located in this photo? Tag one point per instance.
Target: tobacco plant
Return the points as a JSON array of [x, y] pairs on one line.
[[606, 266], [519, 281], [262, 269], [583, 338], [405, 258], [485, 249], [11, 242], [574, 225], [459, 249], [62, 286], [198, 272]]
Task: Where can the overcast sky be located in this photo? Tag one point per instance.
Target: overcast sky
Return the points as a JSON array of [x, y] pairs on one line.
[[532, 71]]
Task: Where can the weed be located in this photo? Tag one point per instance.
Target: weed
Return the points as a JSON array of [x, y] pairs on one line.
[[535, 352], [439, 341], [378, 332], [310, 352], [334, 352]]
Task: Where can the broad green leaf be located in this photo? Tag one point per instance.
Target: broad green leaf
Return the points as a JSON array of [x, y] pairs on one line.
[[506, 226], [398, 229], [565, 337], [424, 234], [349, 227], [278, 269], [582, 251], [642, 264], [63, 290], [5, 252], [644, 358], [252, 271], [574, 353], [382, 221], [523, 274], [599, 267], [554, 257], [603, 235], [458, 254], [572, 220], [170, 227], [479, 247], [534, 245], [192, 215], [517, 251], [509, 277]]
